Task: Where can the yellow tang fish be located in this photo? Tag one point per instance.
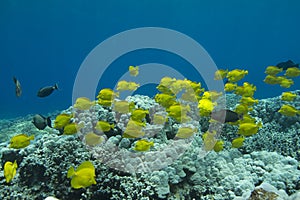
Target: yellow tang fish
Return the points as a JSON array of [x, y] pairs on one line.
[[236, 75], [20, 141], [185, 132], [72, 128], [219, 146], [286, 83], [134, 71], [62, 120], [229, 87], [237, 142], [10, 170], [209, 140], [220, 74], [269, 79], [288, 96], [107, 94], [248, 129], [83, 103], [292, 72], [273, 70], [123, 106], [159, 119], [179, 112], [139, 114], [133, 130], [125, 85], [289, 110], [143, 145], [165, 100], [92, 139], [83, 176], [206, 106], [104, 126]]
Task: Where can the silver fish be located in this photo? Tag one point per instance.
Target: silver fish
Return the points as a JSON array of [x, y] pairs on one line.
[[18, 87]]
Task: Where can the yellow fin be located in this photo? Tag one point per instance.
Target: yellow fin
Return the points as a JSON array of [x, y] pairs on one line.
[[84, 165], [71, 172]]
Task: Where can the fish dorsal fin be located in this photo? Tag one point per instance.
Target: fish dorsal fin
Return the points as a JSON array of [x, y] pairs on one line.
[[70, 172], [85, 98], [22, 135], [84, 165]]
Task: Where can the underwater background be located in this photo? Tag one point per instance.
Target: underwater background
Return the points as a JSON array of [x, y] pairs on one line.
[[45, 42], [165, 141]]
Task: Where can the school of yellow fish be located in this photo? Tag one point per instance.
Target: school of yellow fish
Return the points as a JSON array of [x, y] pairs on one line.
[[170, 88]]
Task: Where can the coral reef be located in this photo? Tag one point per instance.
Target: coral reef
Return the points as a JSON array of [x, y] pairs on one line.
[[269, 159]]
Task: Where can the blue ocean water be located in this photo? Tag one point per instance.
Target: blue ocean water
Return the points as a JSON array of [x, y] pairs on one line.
[[45, 42]]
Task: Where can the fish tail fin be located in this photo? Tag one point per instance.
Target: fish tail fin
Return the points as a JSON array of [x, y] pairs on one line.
[[49, 122], [71, 172], [151, 144], [56, 86], [31, 137], [15, 165]]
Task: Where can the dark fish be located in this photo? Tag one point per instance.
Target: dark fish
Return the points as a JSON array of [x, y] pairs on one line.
[[46, 91], [225, 116], [287, 64], [40, 122]]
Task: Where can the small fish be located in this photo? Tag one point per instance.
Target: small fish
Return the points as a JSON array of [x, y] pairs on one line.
[[72, 128], [185, 132], [83, 103], [288, 110], [41, 122], [143, 145], [18, 87], [62, 120], [236, 75], [249, 128], [287, 64], [123, 106], [219, 146], [273, 70], [20, 141], [83, 176], [220, 74], [286, 83], [10, 170], [125, 85], [288, 96], [225, 116], [104, 126], [292, 72], [92, 139], [46, 91], [237, 142], [133, 129], [106, 96], [134, 71]]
